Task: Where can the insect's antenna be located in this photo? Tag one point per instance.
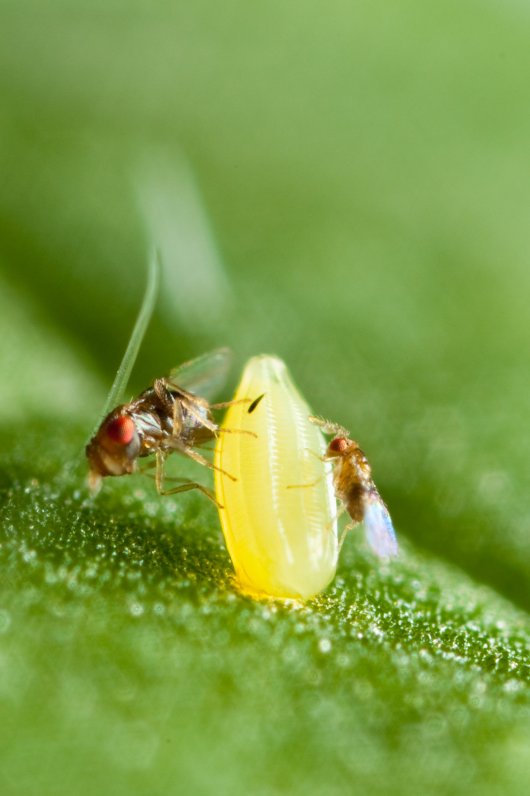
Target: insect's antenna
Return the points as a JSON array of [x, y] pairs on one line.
[[137, 335], [328, 427]]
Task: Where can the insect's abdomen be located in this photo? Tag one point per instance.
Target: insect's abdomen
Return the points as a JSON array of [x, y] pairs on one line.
[[282, 541]]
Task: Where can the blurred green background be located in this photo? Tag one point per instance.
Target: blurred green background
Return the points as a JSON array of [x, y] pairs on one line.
[[347, 186]]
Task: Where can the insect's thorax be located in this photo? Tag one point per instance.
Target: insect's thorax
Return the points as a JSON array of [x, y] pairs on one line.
[[194, 424], [170, 420]]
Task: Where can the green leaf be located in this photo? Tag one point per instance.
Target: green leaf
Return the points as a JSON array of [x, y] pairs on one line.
[[342, 187], [124, 642]]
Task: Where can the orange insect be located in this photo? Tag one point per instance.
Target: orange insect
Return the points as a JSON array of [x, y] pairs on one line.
[[355, 489]]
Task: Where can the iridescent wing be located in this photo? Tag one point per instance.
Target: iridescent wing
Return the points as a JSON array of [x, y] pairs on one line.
[[379, 530], [205, 375]]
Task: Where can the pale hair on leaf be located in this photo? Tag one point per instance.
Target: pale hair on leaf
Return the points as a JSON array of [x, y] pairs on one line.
[[137, 335]]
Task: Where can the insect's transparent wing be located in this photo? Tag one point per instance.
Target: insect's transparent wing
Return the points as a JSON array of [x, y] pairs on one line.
[[205, 375], [379, 530]]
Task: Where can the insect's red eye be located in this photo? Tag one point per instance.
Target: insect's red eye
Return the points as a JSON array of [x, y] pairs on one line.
[[121, 430], [338, 445]]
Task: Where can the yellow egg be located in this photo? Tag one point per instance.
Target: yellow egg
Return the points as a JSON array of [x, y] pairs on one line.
[[279, 517]]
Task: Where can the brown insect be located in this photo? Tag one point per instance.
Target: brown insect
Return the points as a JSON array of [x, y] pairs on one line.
[[356, 491], [166, 418]]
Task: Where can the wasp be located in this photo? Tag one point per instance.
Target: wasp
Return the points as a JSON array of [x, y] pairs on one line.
[[170, 416], [356, 490]]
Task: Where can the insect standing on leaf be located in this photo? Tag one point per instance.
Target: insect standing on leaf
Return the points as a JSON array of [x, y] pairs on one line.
[[355, 489], [168, 417]]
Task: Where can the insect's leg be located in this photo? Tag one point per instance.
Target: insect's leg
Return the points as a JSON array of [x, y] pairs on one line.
[[171, 404], [177, 417], [201, 460], [159, 474], [252, 401], [160, 386], [305, 486], [226, 404], [237, 431], [319, 456], [349, 527], [187, 486]]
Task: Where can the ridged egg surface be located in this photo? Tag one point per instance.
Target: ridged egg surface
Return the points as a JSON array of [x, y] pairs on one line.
[[279, 517]]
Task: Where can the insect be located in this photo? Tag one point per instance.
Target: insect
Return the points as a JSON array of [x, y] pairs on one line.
[[283, 543], [168, 417], [355, 489]]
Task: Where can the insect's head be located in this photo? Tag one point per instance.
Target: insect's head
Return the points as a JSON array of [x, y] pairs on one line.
[[114, 448], [348, 449], [340, 446]]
